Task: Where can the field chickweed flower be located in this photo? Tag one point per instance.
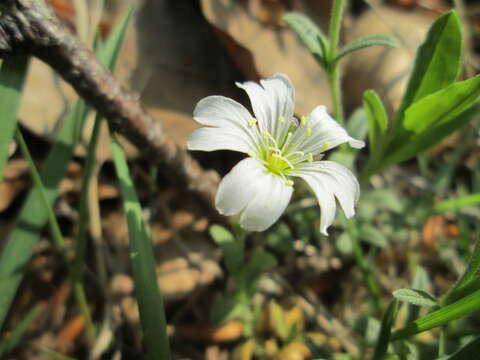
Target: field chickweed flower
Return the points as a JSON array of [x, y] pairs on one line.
[[280, 148]]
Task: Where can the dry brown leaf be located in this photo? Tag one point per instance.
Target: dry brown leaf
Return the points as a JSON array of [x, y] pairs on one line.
[[211, 333], [273, 50]]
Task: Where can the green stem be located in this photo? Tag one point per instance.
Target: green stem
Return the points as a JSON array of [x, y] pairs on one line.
[[335, 25], [336, 93], [368, 277], [333, 67], [57, 237]]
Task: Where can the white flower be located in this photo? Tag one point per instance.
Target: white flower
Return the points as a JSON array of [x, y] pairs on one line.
[[280, 148]]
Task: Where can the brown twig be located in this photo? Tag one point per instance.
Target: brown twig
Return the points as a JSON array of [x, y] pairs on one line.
[[29, 27]]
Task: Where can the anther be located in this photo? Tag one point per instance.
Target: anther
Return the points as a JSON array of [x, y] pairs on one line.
[[289, 182], [325, 146], [281, 119], [303, 120], [310, 157], [308, 131], [252, 122]]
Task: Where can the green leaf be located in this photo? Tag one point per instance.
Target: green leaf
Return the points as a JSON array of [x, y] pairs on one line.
[[457, 203], [371, 235], [433, 118], [385, 331], [456, 310], [377, 119], [260, 262], [357, 125], [442, 106], [12, 78], [232, 249], [420, 281], [367, 41], [226, 309], [150, 303], [8, 344], [438, 60], [467, 352], [310, 34], [416, 297]]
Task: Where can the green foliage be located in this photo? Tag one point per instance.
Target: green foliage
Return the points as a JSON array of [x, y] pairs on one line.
[[438, 60], [446, 314], [377, 120], [321, 47], [12, 78], [32, 217], [368, 41], [416, 297], [433, 107], [311, 36], [468, 282], [468, 352], [385, 331], [457, 203], [150, 303], [15, 337], [232, 249]]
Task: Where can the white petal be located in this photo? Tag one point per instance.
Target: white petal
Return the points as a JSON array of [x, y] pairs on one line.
[[211, 139], [260, 104], [326, 133], [281, 96], [239, 186], [271, 199], [230, 129], [260, 196], [328, 180], [221, 111]]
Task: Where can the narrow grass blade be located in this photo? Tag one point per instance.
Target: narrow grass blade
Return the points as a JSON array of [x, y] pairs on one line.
[[468, 282], [32, 218], [457, 203], [150, 303], [12, 78], [385, 331], [467, 352], [14, 339], [108, 52], [456, 310]]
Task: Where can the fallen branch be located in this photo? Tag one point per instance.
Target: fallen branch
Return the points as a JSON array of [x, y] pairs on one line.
[[29, 27]]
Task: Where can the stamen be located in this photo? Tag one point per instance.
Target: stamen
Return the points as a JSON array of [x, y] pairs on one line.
[[308, 132], [287, 141], [281, 119], [252, 122], [325, 146], [289, 183], [303, 120], [310, 157]]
